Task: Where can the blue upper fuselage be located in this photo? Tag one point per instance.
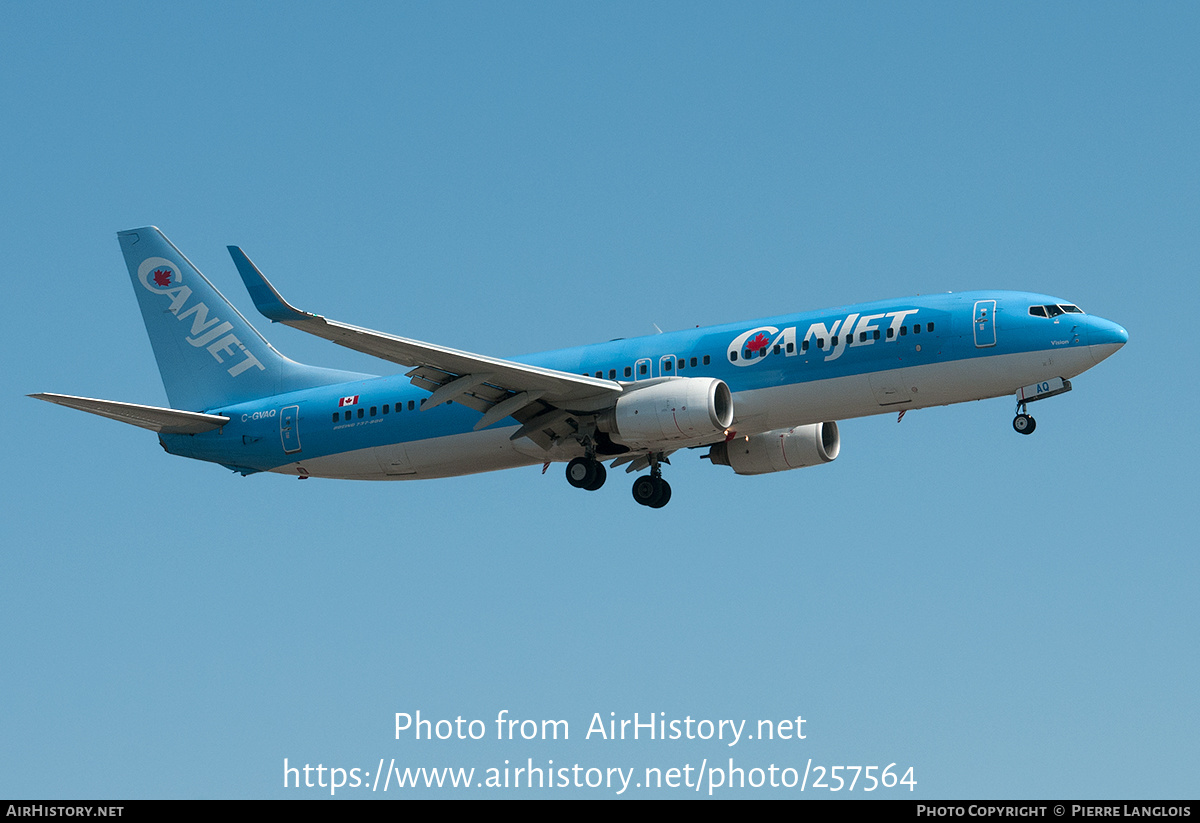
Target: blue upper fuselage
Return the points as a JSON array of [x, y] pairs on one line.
[[774, 351]]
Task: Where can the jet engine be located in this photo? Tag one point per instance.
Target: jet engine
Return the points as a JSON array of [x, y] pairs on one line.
[[779, 450], [670, 412]]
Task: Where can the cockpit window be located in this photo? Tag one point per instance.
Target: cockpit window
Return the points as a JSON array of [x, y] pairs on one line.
[[1054, 311]]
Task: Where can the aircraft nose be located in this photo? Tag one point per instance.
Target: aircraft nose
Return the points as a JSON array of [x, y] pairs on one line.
[[1105, 337]]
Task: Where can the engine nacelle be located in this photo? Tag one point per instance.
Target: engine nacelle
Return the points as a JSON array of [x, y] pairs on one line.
[[779, 450], [670, 412]]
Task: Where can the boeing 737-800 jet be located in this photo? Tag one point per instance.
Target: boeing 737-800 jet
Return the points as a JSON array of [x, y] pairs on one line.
[[762, 396]]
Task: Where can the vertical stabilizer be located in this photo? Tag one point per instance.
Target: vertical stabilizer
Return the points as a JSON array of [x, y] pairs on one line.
[[208, 354]]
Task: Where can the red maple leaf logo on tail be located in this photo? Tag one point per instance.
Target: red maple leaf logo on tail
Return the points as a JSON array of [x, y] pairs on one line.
[[759, 342], [162, 277]]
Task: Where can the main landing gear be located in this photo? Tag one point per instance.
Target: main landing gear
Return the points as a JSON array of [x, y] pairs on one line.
[[586, 473], [650, 489]]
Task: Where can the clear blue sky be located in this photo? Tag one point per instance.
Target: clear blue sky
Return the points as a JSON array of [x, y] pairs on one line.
[[1011, 616]]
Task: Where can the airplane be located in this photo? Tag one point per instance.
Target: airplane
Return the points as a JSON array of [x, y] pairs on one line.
[[762, 396]]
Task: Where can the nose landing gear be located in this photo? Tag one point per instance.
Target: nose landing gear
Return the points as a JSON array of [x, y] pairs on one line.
[[1024, 424]]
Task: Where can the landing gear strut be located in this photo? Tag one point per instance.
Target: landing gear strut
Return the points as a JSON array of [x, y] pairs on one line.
[[586, 473], [650, 489]]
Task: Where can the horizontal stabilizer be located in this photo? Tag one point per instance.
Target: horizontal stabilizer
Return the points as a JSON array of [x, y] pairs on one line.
[[165, 421]]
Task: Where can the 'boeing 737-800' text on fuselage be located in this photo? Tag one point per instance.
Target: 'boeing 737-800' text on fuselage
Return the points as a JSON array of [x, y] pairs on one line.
[[761, 396]]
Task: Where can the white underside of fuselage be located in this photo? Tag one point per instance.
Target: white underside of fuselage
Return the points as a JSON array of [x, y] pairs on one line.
[[450, 456], [757, 410]]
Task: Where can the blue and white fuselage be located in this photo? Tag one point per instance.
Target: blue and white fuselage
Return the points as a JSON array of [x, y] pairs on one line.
[[760, 393]]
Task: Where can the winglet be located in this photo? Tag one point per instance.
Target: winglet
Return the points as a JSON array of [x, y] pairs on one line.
[[266, 299]]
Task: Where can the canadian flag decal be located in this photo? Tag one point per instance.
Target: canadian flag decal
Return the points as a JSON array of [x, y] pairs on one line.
[[348, 401]]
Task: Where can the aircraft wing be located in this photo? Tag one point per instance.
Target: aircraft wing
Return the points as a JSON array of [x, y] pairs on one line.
[[166, 421], [544, 400]]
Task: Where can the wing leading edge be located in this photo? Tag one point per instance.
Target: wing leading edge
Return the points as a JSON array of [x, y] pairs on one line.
[[545, 401]]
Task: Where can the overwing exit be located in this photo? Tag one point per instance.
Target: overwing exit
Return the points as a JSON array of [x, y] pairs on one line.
[[762, 396]]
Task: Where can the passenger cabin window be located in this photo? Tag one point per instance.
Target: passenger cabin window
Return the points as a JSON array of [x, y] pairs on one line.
[[706, 359], [628, 371]]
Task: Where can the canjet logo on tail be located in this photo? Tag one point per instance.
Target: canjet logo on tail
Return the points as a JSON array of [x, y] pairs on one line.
[[855, 330], [161, 276]]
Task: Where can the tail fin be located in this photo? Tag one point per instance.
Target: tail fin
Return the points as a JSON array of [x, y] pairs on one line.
[[208, 354]]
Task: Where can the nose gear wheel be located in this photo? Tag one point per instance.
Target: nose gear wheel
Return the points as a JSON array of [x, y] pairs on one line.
[[1024, 424]]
